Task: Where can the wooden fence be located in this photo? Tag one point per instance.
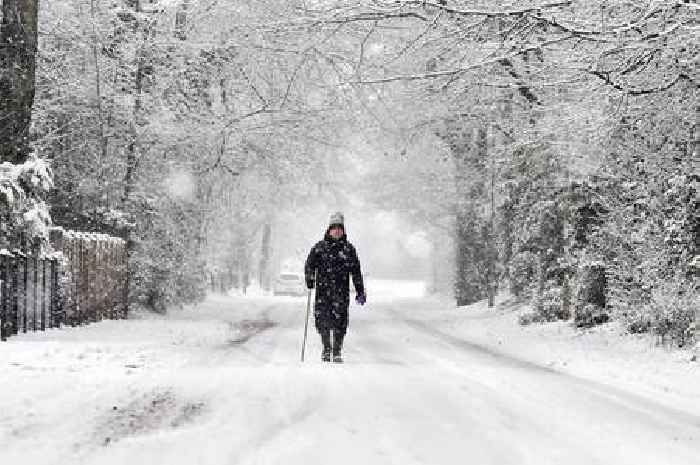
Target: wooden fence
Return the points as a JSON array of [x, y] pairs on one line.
[[84, 280], [29, 293]]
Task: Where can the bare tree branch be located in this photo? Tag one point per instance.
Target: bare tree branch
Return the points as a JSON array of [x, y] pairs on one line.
[[413, 41], [464, 69], [259, 111], [523, 89], [443, 5], [605, 77], [362, 50]]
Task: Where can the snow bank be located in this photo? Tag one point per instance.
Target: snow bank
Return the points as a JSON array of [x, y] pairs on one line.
[[606, 353]]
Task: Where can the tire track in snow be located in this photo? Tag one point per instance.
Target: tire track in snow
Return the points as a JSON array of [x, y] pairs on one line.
[[367, 346], [257, 442], [248, 329], [286, 413]]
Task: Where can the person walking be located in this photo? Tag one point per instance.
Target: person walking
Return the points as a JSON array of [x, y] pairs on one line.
[[333, 260]]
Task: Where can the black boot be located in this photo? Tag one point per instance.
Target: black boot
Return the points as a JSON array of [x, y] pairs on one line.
[[338, 337], [326, 340]]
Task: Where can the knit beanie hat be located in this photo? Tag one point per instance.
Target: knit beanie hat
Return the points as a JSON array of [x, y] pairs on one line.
[[337, 218]]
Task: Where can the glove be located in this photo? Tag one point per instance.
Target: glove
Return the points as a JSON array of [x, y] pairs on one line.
[[361, 298]]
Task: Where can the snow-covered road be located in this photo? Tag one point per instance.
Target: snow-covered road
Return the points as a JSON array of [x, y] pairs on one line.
[[223, 384]]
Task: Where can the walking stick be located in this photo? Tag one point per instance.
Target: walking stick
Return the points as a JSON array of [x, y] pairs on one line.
[[306, 322]]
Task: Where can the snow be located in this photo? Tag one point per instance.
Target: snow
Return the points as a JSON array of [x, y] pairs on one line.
[[424, 383], [606, 353], [180, 184]]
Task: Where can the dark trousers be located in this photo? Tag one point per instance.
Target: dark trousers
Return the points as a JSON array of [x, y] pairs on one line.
[[338, 336]]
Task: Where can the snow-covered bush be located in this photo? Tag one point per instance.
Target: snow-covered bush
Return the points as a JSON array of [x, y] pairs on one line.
[[590, 307], [672, 311], [521, 271], [23, 210], [552, 304], [589, 314], [549, 304], [528, 318]]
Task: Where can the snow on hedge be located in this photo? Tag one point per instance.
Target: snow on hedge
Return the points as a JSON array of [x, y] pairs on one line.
[[23, 188]]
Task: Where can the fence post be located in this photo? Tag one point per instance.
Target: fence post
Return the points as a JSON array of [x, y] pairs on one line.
[[100, 270], [99, 276], [124, 262], [113, 279], [3, 296], [35, 288], [88, 279], [8, 325], [43, 293], [25, 288], [14, 315], [57, 316], [57, 239], [93, 277], [80, 278], [72, 310], [697, 334], [110, 277], [76, 280], [16, 280]]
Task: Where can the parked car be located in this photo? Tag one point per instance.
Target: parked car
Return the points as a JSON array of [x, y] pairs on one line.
[[288, 283]]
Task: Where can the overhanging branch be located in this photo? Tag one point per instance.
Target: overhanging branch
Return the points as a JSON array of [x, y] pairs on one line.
[[443, 5], [605, 77], [461, 70]]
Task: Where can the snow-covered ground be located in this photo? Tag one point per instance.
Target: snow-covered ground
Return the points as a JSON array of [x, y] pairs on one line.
[[606, 353], [424, 383]]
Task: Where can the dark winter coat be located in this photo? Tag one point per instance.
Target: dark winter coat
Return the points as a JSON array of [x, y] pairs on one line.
[[335, 260]]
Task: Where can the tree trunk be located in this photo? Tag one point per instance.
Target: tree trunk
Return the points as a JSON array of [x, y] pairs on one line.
[[18, 47], [459, 145], [98, 90], [466, 289], [264, 272], [132, 149], [491, 253]]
